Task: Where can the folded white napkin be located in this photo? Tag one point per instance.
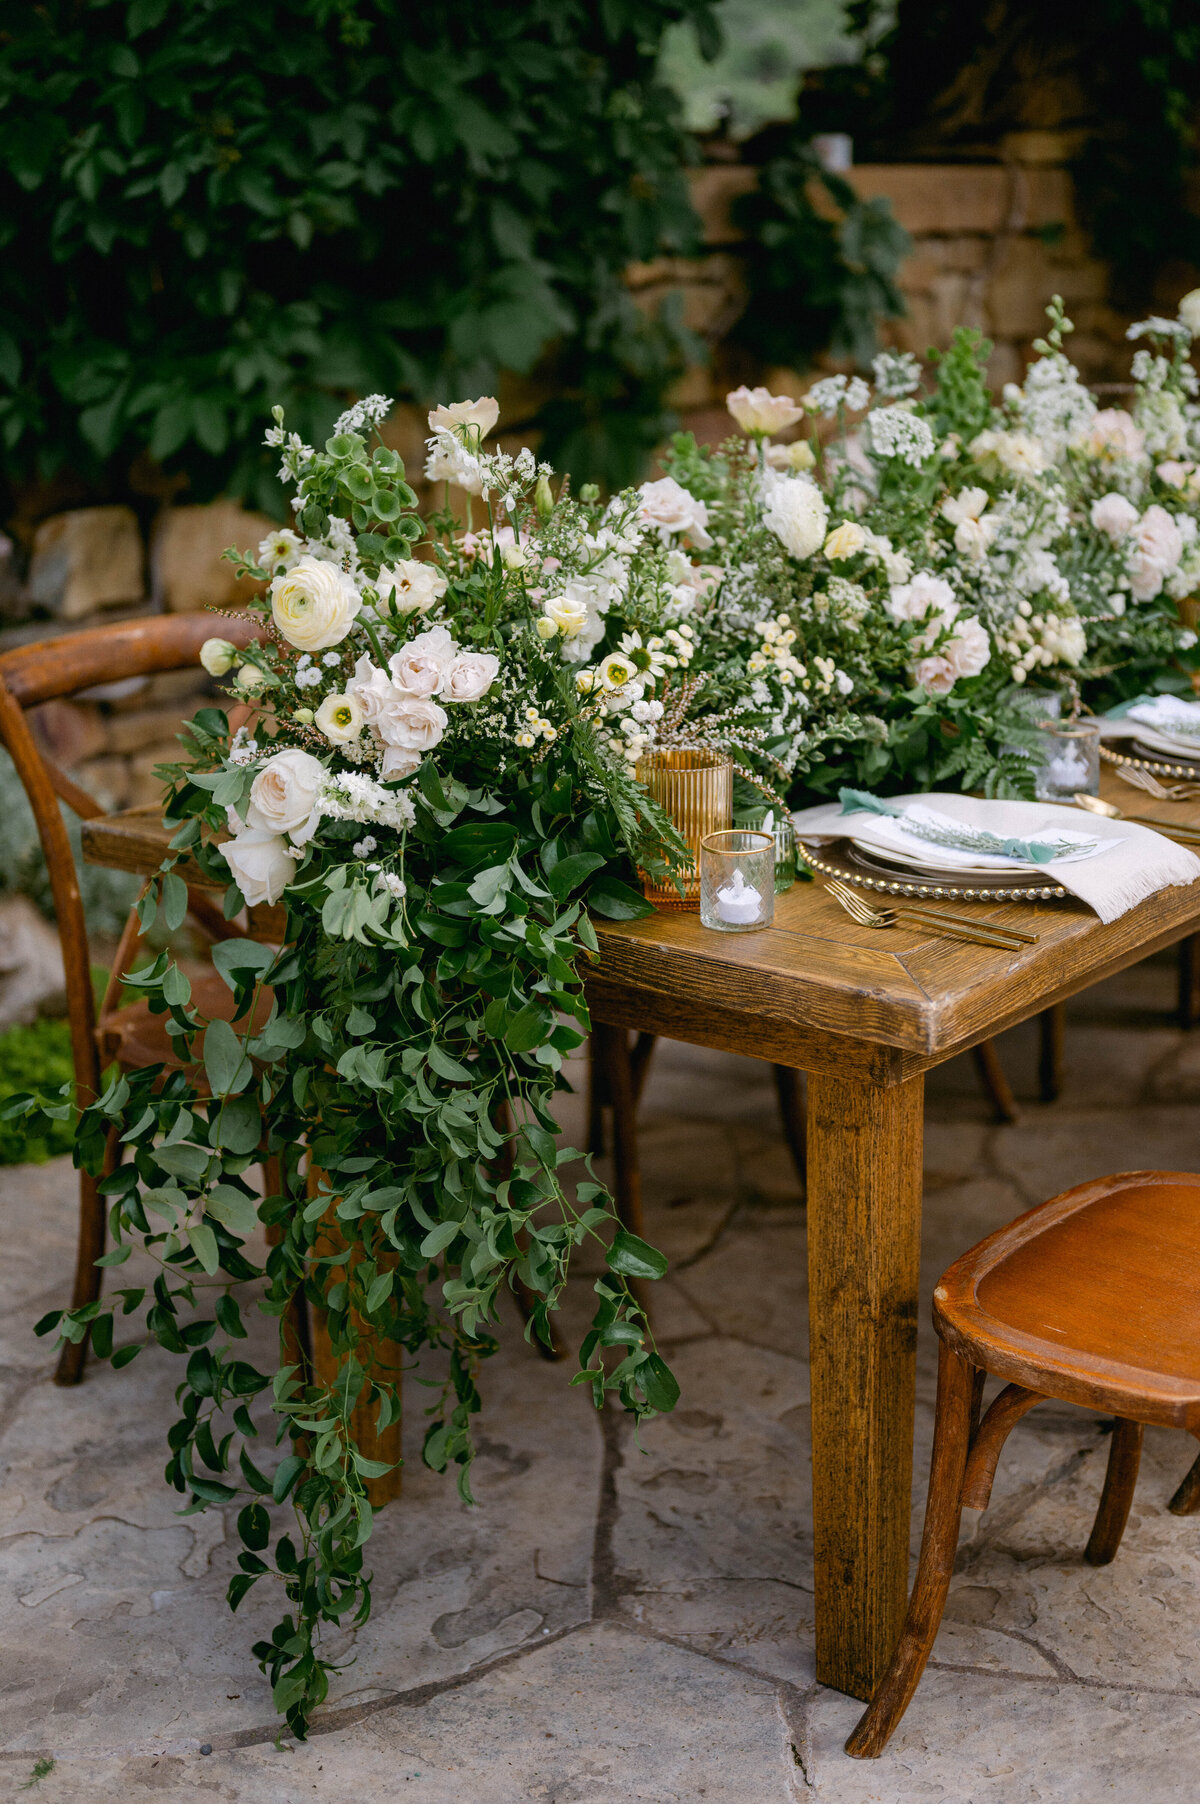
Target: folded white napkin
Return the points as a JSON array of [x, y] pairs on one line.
[[1165, 723], [1114, 864]]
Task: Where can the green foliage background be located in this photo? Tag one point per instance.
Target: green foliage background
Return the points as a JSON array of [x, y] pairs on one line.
[[209, 208]]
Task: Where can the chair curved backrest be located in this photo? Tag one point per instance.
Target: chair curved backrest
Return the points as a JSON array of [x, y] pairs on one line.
[[43, 672]]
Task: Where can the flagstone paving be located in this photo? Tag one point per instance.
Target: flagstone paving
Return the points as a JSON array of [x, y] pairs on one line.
[[626, 1617]]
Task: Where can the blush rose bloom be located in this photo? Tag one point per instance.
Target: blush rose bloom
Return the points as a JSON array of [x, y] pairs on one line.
[[413, 723], [924, 595], [1113, 515], [1157, 551], [283, 796], [962, 656], [459, 414], [667, 505], [796, 513], [471, 676], [410, 586], [760, 413], [261, 864], [314, 604], [422, 666], [1113, 433]]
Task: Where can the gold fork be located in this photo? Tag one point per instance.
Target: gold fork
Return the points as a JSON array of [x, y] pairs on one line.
[[860, 910], [1162, 792], [938, 916]]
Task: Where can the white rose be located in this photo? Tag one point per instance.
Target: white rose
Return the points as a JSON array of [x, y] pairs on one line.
[[422, 666], [412, 723], [1189, 312], [218, 657], [665, 504], [471, 675], [1157, 550], [757, 410], [936, 675], [340, 718], [796, 513], [283, 796], [372, 689], [314, 604], [568, 612], [410, 586], [970, 648], [482, 413], [925, 594], [397, 763], [1113, 515], [261, 865], [1113, 433]]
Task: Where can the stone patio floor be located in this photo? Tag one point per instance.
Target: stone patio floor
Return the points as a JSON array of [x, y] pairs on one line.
[[614, 1622]]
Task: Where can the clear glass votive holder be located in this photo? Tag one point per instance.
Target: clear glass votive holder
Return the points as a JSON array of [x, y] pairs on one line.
[[1071, 760], [695, 788], [768, 820], [737, 880]]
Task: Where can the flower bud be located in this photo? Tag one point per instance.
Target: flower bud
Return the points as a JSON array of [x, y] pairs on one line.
[[249, 678], [304, 716], [218, 657], [543, 500], [544, 627]]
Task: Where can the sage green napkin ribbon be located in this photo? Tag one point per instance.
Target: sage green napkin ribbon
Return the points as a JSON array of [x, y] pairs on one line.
[[940, 830]]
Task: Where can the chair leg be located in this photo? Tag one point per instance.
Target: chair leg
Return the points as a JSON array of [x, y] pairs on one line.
[[93, 1222], [991, 1076], [1186, 1501], [1052, 1024], [1124, 1456], [1189, 980], [988, 1441], [793, 1112], [939, 1542]]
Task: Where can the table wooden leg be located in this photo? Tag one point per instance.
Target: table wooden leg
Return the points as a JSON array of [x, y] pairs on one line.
[[864, 1242]]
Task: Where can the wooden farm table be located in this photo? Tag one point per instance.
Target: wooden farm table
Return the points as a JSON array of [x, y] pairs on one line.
[[865, 1013]]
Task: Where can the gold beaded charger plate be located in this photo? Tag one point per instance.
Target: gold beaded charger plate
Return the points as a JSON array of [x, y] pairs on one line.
[[1144, 757], [870, 870]]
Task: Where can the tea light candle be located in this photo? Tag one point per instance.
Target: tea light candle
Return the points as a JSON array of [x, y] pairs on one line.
[[739, 902]]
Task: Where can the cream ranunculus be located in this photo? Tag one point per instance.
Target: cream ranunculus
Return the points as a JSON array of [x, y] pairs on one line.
[[796, 513], [759, 412], [1189, 312], [218, 657], [340, 718], [314, 604], [410, 586], [667, 505], [471, 676], [283, 796], [845, 541], [422, 666], [261, 864], [482, 414]]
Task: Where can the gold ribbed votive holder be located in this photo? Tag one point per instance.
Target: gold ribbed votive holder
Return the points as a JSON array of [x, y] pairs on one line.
[[695, 787]]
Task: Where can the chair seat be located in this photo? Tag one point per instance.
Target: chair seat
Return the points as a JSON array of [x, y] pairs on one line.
[[1094, 1298], [135, 1038]]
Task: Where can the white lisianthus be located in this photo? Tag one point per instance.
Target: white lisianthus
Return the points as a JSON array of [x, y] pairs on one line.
[[471, 675], [340, 718], [968, 504], [845, 541], [462, 416], [284, 795], [218, 657], [760, 413], [261, 864], [410, 586], [1114, 516], [667, 506], [280, 550], [616, 670], [422, 666], [1189, 311], [314, 604], [567, 612], [796, 513]]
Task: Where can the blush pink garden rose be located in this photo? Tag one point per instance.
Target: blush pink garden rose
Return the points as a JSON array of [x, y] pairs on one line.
[[1115, 433], [413, 723], [471, 676], [926, 594], [962, 656], [667, 505], [285, 793], [1157, 551], [1114, 515], [261, 864], [422, 666]]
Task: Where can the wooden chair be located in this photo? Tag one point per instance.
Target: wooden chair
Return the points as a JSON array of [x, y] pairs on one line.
[[1093, 1298], [130, 1035]]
